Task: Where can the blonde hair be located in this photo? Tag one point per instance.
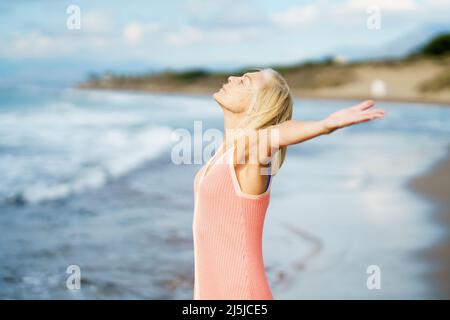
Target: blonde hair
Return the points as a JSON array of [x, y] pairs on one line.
[[272, 105]]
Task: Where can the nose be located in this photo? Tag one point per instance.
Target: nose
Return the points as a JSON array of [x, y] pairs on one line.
[[230, 79]]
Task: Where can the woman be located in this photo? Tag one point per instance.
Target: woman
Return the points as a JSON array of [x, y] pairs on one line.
[[232, 190]]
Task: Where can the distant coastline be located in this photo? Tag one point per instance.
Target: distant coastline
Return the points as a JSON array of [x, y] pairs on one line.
[[419, 79]]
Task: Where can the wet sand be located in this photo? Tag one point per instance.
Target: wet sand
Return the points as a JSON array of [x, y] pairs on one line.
[[435, 186]]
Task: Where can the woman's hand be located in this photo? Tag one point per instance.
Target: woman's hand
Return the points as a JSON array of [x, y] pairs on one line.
[[353, 115]]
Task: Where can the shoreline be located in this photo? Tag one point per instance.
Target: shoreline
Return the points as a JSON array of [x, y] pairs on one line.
[[434, 185], [206, 93]]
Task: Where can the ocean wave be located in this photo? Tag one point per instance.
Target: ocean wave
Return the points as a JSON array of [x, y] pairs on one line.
[[83, 165], [54, 145]]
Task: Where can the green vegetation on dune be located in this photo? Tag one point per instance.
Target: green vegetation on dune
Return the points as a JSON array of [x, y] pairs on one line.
[[438, 46]]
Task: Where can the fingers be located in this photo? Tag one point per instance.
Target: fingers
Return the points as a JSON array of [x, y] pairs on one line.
[[364, 105], [377, 112], [369, 115]]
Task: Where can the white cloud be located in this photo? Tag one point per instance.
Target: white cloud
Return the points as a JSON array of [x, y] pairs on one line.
[[296, 16], [231, 35], [384, 5], [300, 26], [134, 31], [98, 22], [438, 8], [188, 35], [34, 44], [438, 3], [39, 45], [196, 6], [353, 13]]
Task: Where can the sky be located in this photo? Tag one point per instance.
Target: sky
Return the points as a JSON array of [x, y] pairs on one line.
[[137, 36]]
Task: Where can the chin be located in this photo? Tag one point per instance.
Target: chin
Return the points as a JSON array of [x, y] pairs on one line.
[[219, 98], [216, 95]]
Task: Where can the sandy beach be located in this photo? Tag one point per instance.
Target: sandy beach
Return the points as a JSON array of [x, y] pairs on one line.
[[435, 186]]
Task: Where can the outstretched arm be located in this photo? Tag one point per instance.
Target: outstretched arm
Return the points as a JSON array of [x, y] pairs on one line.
[[293, 131]]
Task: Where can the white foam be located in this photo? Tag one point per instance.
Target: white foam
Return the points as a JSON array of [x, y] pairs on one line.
[[61, 149], [114, 154]]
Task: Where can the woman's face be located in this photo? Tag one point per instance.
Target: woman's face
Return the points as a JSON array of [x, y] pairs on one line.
[[237, 94]]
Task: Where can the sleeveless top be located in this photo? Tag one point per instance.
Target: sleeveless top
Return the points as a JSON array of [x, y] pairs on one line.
[[227, 231]]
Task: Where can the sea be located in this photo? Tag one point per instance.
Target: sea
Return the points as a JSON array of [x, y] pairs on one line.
[[87, 183]]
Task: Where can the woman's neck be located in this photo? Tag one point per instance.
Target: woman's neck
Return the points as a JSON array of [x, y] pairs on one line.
[[231, 121]]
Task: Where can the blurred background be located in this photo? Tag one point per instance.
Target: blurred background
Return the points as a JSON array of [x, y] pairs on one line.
[[90, 93]]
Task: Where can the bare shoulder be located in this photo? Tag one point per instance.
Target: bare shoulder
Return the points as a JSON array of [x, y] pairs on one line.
[[247, 166]]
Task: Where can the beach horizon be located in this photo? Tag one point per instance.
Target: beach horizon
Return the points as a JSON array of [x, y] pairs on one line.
[[409, 80]]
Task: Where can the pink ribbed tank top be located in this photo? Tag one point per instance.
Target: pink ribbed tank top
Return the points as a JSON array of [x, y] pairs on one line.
[[227, 230]]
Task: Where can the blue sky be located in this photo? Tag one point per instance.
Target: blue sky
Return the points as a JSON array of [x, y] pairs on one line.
[[136, 36]]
